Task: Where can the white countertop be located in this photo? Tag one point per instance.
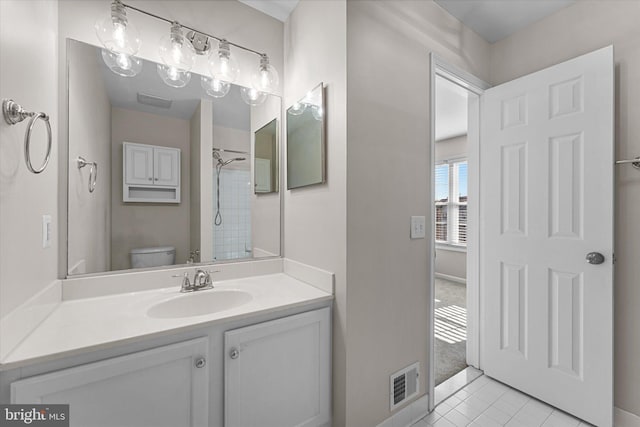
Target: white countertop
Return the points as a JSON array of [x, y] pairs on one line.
[[93, 323]]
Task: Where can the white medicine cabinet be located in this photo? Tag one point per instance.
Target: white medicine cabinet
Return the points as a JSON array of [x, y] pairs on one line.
[[150, 173]]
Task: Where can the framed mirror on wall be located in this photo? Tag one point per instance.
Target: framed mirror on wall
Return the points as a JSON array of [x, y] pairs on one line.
[[306, 145], [177, 181]]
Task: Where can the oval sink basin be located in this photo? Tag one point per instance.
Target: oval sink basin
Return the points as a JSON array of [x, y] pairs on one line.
[[199, 303]]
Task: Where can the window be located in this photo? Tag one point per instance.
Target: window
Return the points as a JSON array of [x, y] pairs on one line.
[[451, 202]]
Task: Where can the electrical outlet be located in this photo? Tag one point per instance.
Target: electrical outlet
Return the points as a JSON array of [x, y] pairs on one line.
[[418, 227], [46, 231]]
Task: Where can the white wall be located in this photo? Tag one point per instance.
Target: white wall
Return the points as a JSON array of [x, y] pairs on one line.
[[575, 30], [90, 138], [28, 74], [388, 43], [315, 217]]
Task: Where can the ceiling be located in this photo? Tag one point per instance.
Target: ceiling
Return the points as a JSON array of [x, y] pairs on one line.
[[494, 20], [279, 9], [451, 109]]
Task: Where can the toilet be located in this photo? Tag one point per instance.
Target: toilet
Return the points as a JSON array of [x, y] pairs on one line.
[[152, 257]]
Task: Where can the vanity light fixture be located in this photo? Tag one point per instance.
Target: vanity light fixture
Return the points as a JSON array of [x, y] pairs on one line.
[[121, 41], [297, 109], [214, 87], [252, 96], [178, 55], [265, 78], [222, 66]]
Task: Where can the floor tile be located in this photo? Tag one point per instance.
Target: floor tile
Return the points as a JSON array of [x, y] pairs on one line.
[[560, 419], [457, 418], [498, 415], [443, 422], [485, 421]]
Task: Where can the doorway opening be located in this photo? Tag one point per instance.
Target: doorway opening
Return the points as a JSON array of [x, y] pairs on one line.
[[454, 335]]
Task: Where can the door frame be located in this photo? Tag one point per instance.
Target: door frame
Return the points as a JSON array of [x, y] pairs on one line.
[[440, 67]]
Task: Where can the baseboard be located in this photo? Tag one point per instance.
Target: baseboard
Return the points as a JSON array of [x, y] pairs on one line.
[[408, 415], [625, 419], [455, 279]]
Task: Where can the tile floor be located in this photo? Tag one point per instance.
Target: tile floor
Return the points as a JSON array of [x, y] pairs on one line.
[[488, 403]]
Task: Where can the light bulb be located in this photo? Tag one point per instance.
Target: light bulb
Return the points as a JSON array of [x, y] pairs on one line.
[[265, 79], [116, 33], [173, 76], [214, 87], [121, 63], [222, 66], [252, 96], [297, 108], [318, 112], [176, 51]]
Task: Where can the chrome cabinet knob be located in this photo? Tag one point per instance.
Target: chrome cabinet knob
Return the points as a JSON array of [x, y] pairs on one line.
[[234, 353], [595, 258], [201, 362]]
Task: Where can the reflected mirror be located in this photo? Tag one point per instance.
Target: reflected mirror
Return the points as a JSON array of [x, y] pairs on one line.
[[266, 159], [305, 140], [175, 170]]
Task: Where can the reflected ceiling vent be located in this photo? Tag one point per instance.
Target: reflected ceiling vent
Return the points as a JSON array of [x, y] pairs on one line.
[[154, 101]]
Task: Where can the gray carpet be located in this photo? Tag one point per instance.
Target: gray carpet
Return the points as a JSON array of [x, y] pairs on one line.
[[450, 329]]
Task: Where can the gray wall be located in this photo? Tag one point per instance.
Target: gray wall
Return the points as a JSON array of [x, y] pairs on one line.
[[575, 30], [388, 43], [29, 75], [139, 225], [315, 229]]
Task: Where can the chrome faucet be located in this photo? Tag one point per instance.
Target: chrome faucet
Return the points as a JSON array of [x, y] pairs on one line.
[[201, 281]]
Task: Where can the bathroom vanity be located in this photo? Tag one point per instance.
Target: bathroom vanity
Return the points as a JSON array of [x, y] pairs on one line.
[[159, 357]]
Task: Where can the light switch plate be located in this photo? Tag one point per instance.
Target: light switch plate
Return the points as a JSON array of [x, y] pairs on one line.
[[46, 231], [418, 227]]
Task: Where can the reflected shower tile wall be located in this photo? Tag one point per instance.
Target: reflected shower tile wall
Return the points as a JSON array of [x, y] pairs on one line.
[[232, 238]]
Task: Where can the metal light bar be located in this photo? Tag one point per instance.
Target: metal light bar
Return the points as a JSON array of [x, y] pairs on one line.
[[170, 21]]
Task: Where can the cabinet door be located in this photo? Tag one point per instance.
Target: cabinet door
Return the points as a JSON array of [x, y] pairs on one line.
[[138, 164], [277, 374], [154, 388], [166, 166]]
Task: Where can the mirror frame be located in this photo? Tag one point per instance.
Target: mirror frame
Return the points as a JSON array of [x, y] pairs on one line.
[[323, 140]]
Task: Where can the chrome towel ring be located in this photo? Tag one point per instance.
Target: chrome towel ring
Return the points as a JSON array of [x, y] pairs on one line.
[[93, 172], [13, 114]]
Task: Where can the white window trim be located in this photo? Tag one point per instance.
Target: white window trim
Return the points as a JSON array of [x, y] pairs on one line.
[[452, 220]]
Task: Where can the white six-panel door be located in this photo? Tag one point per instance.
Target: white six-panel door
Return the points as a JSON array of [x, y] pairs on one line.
[[546, 202]]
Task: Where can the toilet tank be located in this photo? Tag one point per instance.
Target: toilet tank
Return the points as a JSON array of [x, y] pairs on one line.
[[152, 257]]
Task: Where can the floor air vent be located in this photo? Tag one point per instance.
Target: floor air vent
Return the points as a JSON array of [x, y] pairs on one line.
[[404, 385]]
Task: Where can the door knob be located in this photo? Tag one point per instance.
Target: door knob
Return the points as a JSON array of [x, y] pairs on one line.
[[595, 258], [201, 362], [234, 353]]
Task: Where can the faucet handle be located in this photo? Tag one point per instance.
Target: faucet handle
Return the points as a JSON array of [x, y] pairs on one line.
[[186, 283]]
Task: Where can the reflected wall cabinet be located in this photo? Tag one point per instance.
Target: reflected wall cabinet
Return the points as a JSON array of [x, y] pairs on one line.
[[150, 173]]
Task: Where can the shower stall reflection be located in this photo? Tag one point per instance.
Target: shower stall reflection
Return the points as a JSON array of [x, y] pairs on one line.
[[232, 205]]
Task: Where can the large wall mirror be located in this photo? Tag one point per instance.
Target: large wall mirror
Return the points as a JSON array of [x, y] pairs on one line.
[[168, 174], [306, 149]]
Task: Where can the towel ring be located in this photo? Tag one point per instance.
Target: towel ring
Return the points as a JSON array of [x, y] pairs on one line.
[[13, 114], [93, 172]]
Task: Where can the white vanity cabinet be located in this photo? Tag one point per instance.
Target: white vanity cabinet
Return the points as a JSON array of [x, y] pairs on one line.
[[166, 386], [150, 173], [277, 373]]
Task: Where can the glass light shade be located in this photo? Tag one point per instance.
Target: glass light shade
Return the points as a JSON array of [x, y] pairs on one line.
[[252, 96], [297, 108], [214, 87], [317, 112], [118, 35], [121, 63], [173, 76], [265, 78], [222, 66], [176, 51]]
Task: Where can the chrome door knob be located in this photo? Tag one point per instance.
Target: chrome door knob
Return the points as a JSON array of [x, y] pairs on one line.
[[201, 362], [595, 258], [234, 353]]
